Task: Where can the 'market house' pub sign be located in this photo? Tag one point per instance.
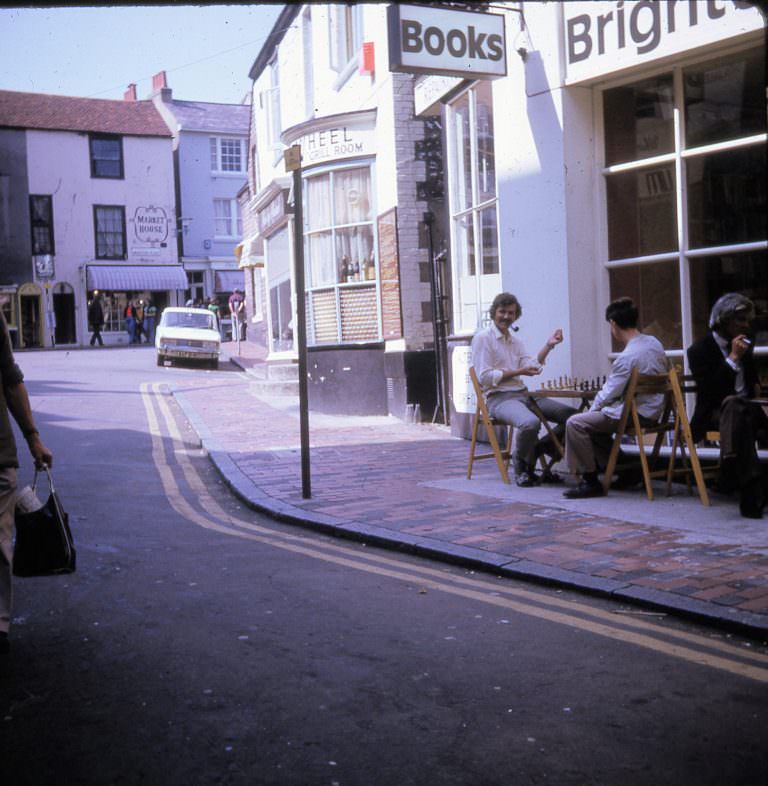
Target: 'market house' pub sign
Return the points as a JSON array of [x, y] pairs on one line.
[[429, 40]]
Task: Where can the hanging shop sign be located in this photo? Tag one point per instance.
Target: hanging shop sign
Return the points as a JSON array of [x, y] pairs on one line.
[[601, 37], [431, 40]]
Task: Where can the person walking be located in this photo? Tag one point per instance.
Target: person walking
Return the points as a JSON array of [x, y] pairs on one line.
[[150, 319], [130, 322], [15, 400], [96, 320], [139, 321], [237, 311]]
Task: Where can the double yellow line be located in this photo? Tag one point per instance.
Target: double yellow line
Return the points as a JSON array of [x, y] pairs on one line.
[[690, 647]]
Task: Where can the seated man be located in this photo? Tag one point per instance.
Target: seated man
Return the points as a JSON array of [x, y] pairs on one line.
[[589, 435], [501, 362], [723, 365]]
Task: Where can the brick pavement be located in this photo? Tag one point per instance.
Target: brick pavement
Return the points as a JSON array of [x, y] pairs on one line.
[[388, 480]]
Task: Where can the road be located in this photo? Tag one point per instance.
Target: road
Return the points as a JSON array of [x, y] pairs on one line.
[[201, 643]]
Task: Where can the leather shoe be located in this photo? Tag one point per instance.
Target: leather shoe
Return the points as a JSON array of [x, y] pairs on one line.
[[526, 479], [550, 477], [584, 490], [627, 479]]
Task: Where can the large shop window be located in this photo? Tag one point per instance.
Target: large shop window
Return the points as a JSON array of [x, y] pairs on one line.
[[341, 258], [685, 187], [474, 228]]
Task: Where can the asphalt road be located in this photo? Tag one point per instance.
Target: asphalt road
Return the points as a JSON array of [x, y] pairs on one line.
[[200, 643]]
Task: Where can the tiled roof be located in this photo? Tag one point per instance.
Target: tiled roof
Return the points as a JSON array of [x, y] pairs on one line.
[[200, 116], [64, 113]]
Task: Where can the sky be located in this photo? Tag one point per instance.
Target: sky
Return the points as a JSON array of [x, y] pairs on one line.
[[96, 52]]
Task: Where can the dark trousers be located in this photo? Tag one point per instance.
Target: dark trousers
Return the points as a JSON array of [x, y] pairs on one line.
[[97, 336]]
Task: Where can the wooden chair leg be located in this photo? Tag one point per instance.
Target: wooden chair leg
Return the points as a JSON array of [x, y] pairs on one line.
[[643, 457], [473, 445], [497, 453]]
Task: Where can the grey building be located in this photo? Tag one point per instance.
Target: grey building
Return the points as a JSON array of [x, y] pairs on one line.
[[210, 143]]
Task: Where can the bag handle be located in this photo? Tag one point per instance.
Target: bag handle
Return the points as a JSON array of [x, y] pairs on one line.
[[47, 471]]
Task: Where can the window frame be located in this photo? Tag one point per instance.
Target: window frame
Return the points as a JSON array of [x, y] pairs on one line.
[[685, 256], [235, 219], [93, 160], [124, 236], [344, 43], [49, 225], [482, 281], [215, 143]]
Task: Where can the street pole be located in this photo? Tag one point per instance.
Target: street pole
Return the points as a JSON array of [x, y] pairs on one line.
[[293, 164], [428, 219]]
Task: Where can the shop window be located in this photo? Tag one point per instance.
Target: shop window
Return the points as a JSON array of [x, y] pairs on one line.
[[340, 253], [474, 223], [227, 154], [41, 220], [106, 156], [719, 198], [109, 225]]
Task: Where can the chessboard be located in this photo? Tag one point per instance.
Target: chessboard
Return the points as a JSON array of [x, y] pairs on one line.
[[574, 383]]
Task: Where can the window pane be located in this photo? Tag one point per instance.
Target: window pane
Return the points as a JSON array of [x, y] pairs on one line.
[[318, 202], [641, 212], [727, 197], [638, 120], [231, 157], [462, 187], [486, 169], [725, 99], [490, 240], [354, 252], [222, 209], [214, 155], [655, 288], [322, 261], [464, 252], [106, 154], [109, 233], [352, 196], [713, 276]]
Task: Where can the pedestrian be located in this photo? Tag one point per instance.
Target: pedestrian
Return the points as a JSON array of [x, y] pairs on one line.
[[139, 321], [130, 322], [213, 306], [237, 311], [16, 401], [96, 320], [150, 319]]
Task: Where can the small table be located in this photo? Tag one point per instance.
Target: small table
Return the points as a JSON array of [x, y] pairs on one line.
[[586, 397]]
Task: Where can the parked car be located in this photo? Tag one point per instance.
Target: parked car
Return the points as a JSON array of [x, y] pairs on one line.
[[188, 334]]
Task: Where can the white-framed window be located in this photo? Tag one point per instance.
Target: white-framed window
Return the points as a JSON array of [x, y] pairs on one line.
[[228, 154], [345, 31], [473, 206], [227, 220], [269, 100], [684, 192], [340, 256]]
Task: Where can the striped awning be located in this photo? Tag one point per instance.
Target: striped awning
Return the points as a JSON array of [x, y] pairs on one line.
[[228, 280], [131, 278]]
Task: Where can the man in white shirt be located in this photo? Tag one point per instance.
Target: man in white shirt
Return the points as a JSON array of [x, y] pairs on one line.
[[501, 363], [589, 435]]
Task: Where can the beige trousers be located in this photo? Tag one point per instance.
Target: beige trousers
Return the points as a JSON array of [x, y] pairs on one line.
[[7, 505], [588, 441]]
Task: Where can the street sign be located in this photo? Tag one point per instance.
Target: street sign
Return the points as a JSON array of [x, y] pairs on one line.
[[292, 158]]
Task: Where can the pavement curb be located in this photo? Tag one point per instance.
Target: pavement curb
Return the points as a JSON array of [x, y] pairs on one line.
[[734, 620]]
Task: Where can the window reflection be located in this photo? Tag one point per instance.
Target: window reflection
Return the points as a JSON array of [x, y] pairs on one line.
[[725, 99], [655, 288], [713, 276], [642, 218], [462, 161], [639, 120], [726, 197], [486, 168], [490, 247]]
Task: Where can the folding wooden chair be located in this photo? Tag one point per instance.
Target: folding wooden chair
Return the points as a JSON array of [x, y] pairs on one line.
[[482, 417], [630, 425]]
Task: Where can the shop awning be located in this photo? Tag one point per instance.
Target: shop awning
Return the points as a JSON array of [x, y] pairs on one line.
[[129, 278], [227, 280]]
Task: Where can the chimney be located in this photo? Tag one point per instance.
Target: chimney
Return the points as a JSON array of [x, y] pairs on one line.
[[160, 87], [130, 93]]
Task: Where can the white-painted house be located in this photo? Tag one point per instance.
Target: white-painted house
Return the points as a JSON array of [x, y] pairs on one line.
[[93, 198], [568, 152]]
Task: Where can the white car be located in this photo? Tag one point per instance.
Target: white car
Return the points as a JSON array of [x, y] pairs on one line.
[[188, 334]]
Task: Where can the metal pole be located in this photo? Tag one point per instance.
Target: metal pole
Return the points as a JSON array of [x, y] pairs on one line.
[[293, 163], [428, 219]]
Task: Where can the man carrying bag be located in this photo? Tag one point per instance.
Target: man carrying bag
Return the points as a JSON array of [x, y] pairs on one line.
[[14, 400]]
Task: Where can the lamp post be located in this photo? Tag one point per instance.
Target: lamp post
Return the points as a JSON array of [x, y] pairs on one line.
[[292, 159]]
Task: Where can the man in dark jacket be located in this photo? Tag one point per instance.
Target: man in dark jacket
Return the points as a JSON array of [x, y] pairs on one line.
[[14, 400], [96, 320], [723, 366]]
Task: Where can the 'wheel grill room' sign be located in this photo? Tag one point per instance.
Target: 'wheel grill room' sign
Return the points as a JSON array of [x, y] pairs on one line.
[[429, 40]]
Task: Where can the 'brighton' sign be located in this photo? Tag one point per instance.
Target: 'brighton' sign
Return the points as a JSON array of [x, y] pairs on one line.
[[429, 40]]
